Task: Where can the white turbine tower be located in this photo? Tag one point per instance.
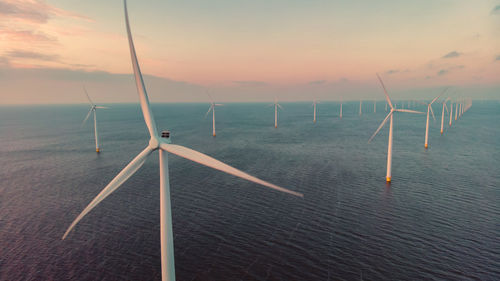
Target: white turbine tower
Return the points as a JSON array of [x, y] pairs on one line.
[[163, 146], [442, 114], [276, 105], [314, 106], [374, 106], [340, 108], [451, 111], [212, 108], [456, 111], [360, 102], [388, 176], [93, 109], [429, 110]]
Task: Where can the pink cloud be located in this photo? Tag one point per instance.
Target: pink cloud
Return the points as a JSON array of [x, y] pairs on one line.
[[26, 36], [34, 11]]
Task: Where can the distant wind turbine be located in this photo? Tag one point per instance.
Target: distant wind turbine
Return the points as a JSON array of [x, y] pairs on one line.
[[314, 106], [456, 111], [163, 146], [276, 105], [93, 109], [429, 109], [388, 176], [212, 108], [340, 108], [451, 111], [374, 106], [442, 114], [360, 102]]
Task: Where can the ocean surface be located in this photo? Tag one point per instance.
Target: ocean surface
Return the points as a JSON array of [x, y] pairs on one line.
[[438, 220]]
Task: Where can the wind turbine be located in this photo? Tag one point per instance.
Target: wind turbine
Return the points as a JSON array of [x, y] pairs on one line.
[[442, 113], [93, 109], [212, 108], [276, 105], [341, 108], [360, 101], [388, 176], [429, 109], [451, 111], [163, 146], [456, 111], [314, 105], [374, 106]]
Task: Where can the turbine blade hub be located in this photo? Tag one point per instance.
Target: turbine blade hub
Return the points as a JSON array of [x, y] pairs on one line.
[[154, 143]]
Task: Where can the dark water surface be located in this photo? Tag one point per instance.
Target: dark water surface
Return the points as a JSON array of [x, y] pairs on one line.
[[439, 220]]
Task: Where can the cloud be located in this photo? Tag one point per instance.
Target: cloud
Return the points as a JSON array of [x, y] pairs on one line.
[[496, 10], [443, 72], [23, 21], [453, 54], [34, 11], [392, 71], [447, 70], [4, 62], [27, 36], [250, 83], [317, 82], [63, 85], [31, 55]]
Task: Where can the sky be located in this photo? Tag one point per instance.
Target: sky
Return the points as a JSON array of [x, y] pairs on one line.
[[248, 51]]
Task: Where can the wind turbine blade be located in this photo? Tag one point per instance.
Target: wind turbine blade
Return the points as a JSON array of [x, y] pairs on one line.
[[86, 118], [219, 104], [385, 92], [102, 107], [126, 173], [381, 125], [208, 161], [139, 81], [210, 97], [446, 107], [409, 111], [438, 96], [87, 94], [210, 108], [279, 105], [432, 111]]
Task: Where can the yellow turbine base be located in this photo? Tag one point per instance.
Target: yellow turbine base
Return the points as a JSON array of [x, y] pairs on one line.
[[426, 146], [441, 132], [275, 126], [213, 135], [97, 150], [388, 179]]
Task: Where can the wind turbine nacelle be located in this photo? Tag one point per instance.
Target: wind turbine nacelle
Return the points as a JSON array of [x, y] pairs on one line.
[[166, 135]]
